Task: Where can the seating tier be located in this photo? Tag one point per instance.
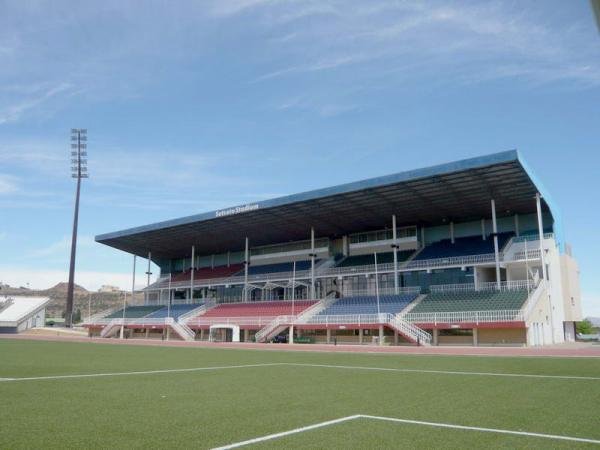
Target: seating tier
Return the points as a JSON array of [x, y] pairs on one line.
[[391, 304], [207, 273], [259, 309], [464, 246], [369, 259], [175, 311], [471, 301], [277, 268], [134, 312]]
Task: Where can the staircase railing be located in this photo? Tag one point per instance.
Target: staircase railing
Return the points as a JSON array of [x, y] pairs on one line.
[[181, 329], [108, 328], [409, 330], [405, 328], [533, 300], [208, 304], [266, 331], [101, 315]]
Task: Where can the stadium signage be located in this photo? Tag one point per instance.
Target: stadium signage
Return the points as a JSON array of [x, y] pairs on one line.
[[236, 210]]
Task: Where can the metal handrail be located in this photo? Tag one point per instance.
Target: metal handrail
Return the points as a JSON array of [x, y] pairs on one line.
[[517, 285]]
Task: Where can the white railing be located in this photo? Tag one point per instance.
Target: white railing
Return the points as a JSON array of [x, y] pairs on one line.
[[93, 319], [272, 326], [109, 327], [186, 333], [533, 299], [528, 255], [259, 321], [409, 330], [532, 237], [410, 264], [349, 292], [141, 321], [507, 315], [516, 285], [208, 304], [406, 328], [450, 261]]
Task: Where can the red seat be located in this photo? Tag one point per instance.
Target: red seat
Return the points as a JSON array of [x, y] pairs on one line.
[[259, 309], [207, 273]]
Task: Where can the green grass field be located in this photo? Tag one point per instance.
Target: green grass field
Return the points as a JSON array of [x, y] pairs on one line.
[[221, 406]]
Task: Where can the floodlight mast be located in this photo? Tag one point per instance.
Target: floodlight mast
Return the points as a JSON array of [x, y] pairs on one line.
[[78, 171]]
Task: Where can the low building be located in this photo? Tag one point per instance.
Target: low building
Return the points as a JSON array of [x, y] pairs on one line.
[[19, 313]]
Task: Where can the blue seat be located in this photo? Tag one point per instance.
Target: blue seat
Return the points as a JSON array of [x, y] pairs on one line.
[[175, 311], [464, 246], [391, 304]]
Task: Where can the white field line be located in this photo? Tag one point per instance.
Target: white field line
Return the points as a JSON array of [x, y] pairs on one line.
[[145, 372], [324, 366], [287, 433], [445, 372], [405, 421]]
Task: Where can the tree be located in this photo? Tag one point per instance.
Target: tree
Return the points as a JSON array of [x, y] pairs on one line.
[[77, 316], [585, 327]]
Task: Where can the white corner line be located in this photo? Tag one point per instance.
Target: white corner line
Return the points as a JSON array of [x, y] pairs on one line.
[[145, 372], [269, 437], [445, 372], [484, 430]]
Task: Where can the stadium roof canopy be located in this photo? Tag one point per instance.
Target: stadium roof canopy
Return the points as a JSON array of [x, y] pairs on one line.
[[457, 191]]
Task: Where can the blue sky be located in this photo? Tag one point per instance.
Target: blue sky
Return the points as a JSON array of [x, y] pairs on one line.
[[193, 106]]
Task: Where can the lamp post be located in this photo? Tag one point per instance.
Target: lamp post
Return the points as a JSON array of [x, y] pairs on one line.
[[78, 171]]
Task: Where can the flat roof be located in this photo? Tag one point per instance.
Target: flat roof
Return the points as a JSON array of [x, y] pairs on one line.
[[455, 191]]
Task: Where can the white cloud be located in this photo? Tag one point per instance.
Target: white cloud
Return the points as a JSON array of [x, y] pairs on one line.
[[457, 39], [8, 184], [13, 111]]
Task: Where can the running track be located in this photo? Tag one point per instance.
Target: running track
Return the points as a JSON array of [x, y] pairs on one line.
[[564, 350]]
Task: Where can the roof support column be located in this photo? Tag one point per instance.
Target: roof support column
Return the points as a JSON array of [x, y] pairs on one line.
[[125, 299], [246, 264], [452, 232], [538, 205], [148, 273], [517, 225], [422, 236], [395, 247], [483, 229], [495, 234], [192, 268], [312, 263]]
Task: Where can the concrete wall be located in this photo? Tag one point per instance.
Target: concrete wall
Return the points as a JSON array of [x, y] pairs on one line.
[[570, 288], [502, 336]]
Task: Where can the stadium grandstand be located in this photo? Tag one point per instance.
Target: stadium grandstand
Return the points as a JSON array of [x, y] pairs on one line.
[[466, 253]]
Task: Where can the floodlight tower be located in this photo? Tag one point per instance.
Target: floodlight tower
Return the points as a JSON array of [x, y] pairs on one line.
[[78, 171]]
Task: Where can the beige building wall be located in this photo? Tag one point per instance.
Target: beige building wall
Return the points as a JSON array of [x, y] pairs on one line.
[[571, 290], [502, 336]]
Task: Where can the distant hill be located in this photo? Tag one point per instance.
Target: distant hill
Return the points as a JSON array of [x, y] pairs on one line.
[[97, 301], [61, 288]]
